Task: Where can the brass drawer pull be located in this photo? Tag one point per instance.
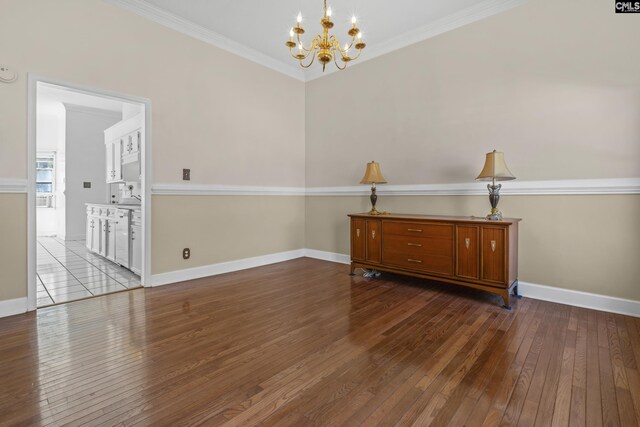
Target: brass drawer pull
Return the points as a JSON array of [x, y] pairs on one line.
[[466, 242], [373, 234], [493, 245], [417, 230], [414, 260], [357, 232], [414, 244]]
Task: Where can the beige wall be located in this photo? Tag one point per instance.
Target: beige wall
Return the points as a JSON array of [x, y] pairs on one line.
[[13, 246], [585, 243], [233, 227], [228, 119], [554, 84]]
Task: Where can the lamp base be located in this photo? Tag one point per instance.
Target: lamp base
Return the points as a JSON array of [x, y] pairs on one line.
[[374, 211], [495, 215]]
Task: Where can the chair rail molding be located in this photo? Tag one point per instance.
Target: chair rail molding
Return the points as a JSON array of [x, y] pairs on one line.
[[13, 185]]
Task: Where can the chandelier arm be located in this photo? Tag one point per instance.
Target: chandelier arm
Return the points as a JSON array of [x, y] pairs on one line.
[[335, 61], [313, 58], [295, 55]]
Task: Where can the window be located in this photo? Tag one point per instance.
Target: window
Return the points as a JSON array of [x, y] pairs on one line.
[[45, 180]]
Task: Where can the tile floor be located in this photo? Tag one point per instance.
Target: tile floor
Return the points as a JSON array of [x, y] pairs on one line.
[[67, 271]]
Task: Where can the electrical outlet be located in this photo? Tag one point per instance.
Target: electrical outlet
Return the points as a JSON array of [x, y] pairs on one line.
[[186, 253], [186, 174], [86, 184]]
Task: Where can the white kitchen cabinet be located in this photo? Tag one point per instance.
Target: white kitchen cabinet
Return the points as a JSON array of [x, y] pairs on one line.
[[136, 242], [95, 234], [131, 147], [110, 239], [114, 160]]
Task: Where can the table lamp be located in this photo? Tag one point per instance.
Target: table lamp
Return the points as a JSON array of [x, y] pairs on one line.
[[495, 169], [373, 176]]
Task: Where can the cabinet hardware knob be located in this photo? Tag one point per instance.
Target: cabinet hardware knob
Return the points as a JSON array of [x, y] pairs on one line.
[[417, 230], [493, 245], [467, 241], [414, 260], [357, 232], [414, 244], [373, 234]]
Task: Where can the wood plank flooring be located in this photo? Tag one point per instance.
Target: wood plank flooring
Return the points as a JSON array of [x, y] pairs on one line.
[[302, 343]]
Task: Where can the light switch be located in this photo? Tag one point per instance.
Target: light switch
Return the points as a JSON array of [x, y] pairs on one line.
[[86, 184]]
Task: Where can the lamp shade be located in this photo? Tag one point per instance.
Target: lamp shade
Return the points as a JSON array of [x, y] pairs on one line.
[[373, 175], [495, 168]]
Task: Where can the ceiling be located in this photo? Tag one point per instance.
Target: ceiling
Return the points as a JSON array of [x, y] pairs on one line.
[[257, 29]]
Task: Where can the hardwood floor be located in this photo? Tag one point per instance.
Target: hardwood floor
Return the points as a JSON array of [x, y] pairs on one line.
[[302, 343]]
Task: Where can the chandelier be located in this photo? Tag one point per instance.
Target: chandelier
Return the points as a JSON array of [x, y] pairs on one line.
[[324, 46]]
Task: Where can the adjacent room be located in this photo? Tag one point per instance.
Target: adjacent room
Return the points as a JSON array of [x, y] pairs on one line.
[[319, 213]]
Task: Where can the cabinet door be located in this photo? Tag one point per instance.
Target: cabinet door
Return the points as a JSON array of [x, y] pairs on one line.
[[109, 161], [136, 249], [111, 240], [135, 141], [117, 159], [357, 240], [95, 238], [374, 241], [89, 233], [467, 253], [493, 254]]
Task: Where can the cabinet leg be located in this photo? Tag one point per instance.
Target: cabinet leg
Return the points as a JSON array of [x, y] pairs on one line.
[[515, 291], [353, 269], [506, 298]]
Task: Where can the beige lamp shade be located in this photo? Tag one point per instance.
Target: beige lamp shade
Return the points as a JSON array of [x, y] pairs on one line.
[[495, 168], [373, 175]]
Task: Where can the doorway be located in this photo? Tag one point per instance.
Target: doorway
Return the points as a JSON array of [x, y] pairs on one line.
[[89, 174]]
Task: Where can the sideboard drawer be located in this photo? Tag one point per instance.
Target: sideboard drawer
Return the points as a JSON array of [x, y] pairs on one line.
[[423, 262], [418, 229], [419, 245]]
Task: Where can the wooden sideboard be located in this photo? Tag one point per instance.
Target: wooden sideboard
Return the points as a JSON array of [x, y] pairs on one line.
[[466, 251]]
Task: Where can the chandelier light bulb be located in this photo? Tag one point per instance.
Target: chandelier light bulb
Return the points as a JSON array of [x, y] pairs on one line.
[[353, 20], [291, 33], [300, 47], [329, 12], [299, 18], [346, 47]]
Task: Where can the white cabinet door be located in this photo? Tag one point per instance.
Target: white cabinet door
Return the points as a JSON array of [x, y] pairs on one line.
[[117, 160], [89, 234], [136, 249], [111, 240], [95, 234], [109, 156]]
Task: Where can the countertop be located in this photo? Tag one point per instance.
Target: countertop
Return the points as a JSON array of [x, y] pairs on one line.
[[117, 206]]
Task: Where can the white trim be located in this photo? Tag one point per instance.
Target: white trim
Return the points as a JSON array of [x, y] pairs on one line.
[[580, 299], [33, 80], [515, 188], [518, 188], [328, 256], [196, 31], [459, 19], [224, 190], [223, 267], [12, 185], [11, 307]]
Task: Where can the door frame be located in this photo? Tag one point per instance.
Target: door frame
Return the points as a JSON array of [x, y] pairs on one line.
[[146, 165]]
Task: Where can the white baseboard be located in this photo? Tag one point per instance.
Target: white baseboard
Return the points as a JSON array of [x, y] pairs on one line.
[[223, 267], [13, 306], [535, 291], [327, 256], [580, 299]]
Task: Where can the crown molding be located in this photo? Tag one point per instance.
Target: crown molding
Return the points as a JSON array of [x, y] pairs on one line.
[[464, 17], [196, 31], [13, 185]]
